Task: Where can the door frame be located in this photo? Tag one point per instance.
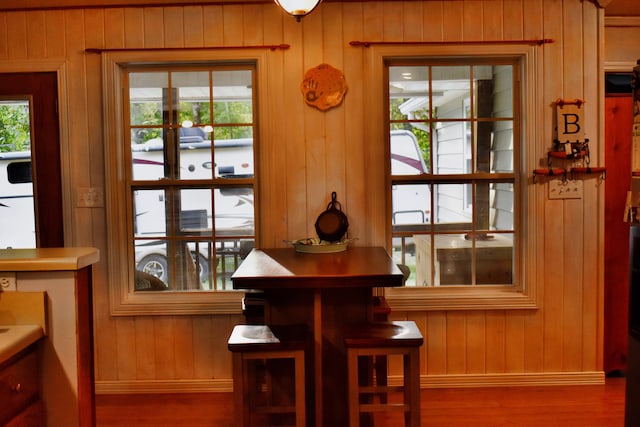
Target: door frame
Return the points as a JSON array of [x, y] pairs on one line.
[[60, 68]]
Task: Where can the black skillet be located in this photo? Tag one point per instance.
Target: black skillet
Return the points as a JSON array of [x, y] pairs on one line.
[[332, 224]]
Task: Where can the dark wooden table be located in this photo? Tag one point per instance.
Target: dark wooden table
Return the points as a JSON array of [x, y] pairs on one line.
[[326, 292]]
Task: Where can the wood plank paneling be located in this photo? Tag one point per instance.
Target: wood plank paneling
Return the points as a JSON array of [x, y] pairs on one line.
[[17, 36], [36, 42], [553, 233], [305, 154]]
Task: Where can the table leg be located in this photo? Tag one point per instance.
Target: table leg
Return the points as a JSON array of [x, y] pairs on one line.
[[317, 350]]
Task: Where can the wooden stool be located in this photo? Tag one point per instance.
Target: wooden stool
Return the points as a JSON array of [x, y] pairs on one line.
[[386, 339], [261, 383]]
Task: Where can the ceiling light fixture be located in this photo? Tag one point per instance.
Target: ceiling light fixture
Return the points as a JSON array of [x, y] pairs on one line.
[[298, 8]]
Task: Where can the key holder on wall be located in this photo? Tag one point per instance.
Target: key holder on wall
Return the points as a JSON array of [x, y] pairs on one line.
[[570, 155]]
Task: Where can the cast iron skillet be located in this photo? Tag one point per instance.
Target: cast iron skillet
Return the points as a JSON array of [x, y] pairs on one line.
[[332, 224]]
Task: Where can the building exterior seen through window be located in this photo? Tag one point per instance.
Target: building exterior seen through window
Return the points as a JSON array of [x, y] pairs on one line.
[[453, 170], [190, 174]]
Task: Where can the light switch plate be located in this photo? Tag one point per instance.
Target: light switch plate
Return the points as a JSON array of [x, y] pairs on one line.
[[90, 197], [568, 189]]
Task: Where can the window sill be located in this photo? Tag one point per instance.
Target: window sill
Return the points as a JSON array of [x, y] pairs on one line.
[[432, 299], [176, 303]]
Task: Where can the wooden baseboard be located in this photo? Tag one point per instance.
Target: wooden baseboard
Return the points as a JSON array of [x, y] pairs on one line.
[[164, 386], [426, 381], [508, 380]]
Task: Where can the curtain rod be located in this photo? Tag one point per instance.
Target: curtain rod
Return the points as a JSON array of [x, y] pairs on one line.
[[357, 43], [166, 49]]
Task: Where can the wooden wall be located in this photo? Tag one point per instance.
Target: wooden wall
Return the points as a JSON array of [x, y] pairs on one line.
[[306, 154]]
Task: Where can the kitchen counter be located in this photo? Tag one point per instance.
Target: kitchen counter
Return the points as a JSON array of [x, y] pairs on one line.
[[22, 321], [47, 259], [15, 338], [64, 276]]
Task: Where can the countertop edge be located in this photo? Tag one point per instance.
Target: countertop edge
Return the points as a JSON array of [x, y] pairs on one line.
[[48, 259], [17, 338]]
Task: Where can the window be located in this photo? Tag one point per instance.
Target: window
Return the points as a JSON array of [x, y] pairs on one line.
[[455, 134], [190, 178], [186, 179], [453, 213], [18, 227]]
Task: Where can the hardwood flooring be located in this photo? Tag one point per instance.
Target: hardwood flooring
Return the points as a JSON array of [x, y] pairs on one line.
[[550, 406]]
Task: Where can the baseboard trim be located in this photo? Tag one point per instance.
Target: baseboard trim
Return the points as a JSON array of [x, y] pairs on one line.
[[164, 386], [508, 380], [426, 381]]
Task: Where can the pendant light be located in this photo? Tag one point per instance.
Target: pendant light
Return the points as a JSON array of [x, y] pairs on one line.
[[298, 8]]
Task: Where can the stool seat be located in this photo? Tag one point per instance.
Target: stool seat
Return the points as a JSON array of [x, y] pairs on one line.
[[399, 333], [364, 341], [263, 384], [265, 338]]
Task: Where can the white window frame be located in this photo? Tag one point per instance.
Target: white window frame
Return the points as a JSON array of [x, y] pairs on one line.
[[124, 300], [526, 274]]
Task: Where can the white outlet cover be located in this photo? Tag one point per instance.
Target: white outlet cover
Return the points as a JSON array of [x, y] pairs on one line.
[[568, 189]]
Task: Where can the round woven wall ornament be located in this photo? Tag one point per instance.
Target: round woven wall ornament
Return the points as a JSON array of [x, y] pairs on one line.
[[323, 87]]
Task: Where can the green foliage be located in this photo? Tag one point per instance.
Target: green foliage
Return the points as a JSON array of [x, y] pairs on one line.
[[15, 131], [228, 118]]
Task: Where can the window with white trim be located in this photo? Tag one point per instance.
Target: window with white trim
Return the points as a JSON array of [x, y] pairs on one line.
[[190, 178], [452, 170], [454, 131], [183, 179]]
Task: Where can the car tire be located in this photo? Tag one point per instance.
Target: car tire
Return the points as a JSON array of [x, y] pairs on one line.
[[154, 264]]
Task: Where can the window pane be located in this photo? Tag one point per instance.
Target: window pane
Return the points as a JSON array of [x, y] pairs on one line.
[[409, 93], [147, 154], [411, 204], [404, 253], [409, 152], [195, 212], [195, 156], [149, 214], [502, 159], [232, 97], [450, 206], [494, 87], [145, 98], [494, 206], [192, 97], [235, 211], [453, 148], [230, 253], [451, 86], [494, 259], [234, 157]]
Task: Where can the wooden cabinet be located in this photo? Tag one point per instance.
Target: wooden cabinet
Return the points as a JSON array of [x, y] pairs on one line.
[[20, 391], [453, 260]]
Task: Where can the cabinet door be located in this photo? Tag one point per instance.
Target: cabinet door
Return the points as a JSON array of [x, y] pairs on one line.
[[18, 386], [33, 416]]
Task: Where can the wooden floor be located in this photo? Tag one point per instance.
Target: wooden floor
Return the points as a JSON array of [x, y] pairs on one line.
[[563, 406]]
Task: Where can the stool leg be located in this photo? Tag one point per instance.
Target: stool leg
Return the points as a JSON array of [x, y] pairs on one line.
[[239, 387], [301, 401], [380, 363], [353, 388], [412, 387]]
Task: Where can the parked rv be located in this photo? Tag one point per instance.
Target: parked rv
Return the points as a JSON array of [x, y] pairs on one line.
[[410, 202]]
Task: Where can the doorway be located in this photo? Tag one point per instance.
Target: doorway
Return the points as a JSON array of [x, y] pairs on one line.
[[618, 123], [41, 90]]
